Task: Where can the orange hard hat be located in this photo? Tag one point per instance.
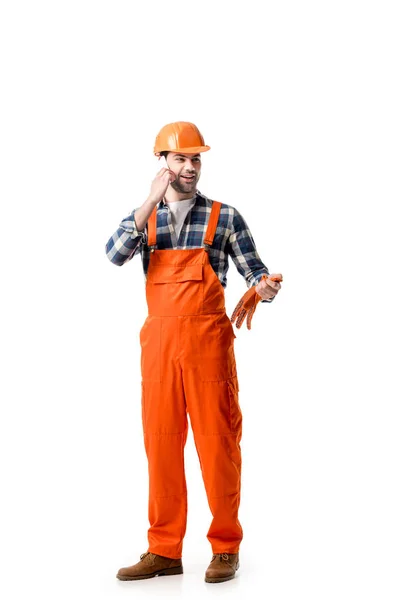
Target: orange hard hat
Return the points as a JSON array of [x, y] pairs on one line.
[[180, 137]]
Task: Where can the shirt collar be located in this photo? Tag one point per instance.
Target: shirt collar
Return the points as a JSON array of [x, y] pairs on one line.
[[164, 205]]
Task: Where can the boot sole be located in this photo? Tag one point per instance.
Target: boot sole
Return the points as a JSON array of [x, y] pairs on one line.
[[218, 579], [171, 571]]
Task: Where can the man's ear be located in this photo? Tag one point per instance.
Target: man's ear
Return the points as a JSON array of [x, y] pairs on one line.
[[162, 159]]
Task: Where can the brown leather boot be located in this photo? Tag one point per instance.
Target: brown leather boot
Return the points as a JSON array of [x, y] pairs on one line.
[[222, 567], [151, 565]]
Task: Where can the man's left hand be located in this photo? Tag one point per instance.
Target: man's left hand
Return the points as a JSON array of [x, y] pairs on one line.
[[267, 288]]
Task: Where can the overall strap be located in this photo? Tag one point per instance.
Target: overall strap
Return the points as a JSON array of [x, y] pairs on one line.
[[212, 223], [152, 228]]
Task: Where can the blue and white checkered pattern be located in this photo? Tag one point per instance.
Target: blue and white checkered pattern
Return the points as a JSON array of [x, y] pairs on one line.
[[232, 238]]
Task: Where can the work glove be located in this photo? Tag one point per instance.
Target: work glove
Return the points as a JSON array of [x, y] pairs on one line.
[[247, 305]]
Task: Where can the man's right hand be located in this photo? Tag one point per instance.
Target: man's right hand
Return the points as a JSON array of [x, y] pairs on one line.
[[160, 184]]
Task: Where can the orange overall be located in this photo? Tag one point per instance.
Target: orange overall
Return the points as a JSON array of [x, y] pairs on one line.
[[188, 368]]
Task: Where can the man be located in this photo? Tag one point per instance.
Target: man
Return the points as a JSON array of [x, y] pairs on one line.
[[187, 351]]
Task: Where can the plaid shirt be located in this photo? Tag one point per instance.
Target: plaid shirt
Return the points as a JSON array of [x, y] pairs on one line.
[[232, 238]]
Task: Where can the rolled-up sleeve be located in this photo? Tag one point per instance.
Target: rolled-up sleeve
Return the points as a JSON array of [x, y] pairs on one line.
[[242, 249], [126, 242]]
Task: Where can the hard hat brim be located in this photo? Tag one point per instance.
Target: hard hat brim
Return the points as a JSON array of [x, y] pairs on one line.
[[193, 150]]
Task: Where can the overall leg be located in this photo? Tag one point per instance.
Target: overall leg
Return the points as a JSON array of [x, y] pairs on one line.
[[211, 390], [217, 428], [165, 432]]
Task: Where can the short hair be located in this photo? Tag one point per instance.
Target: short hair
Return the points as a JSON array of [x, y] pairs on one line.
[[164, 153]]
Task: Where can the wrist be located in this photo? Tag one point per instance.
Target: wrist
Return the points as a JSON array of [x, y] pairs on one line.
[[151, 201]]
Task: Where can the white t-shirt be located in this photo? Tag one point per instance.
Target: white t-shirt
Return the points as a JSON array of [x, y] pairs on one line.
[[179, 210]]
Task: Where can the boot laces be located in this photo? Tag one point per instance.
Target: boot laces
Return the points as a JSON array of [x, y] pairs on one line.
[[151, 559], [222, 556]]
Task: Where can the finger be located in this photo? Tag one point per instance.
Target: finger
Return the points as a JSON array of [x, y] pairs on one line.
[[266, 292], [274, 285], [265, 287], [271, 294], [275, 276], [169, 175]]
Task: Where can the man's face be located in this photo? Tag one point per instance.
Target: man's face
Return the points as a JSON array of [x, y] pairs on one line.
[[187, 169]]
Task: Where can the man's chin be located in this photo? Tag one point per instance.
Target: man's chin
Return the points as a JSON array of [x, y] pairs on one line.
[[186, 188]]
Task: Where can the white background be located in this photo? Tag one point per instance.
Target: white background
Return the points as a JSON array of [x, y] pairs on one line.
[[299, 102]]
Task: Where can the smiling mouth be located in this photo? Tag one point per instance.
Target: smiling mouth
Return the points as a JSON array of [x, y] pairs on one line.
[[188, 177]]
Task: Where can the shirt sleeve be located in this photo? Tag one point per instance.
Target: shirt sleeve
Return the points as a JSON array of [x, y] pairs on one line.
[[242, 249], [126, 242]]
